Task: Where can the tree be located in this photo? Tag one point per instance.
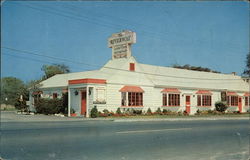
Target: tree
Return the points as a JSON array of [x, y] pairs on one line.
[[51, 70], [14, 92], [247, 70], [194, 68]]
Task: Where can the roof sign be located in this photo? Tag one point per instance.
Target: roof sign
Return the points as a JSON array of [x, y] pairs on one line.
[[121, 44]]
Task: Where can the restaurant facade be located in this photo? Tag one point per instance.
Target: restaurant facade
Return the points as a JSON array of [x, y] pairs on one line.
[[127, 84]]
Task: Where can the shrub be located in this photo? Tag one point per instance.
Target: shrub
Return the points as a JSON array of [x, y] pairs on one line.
[[149, 111], [180, 113], [158, 111], [164, 111], [94, 112], [105, 111], [220, 106], [236, 112], [210, 111], [50, 106], [198, 112], [72, 110], [167, 111], [118, 111], [137, 111]]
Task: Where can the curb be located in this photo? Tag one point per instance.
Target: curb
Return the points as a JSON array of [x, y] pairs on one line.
[[180, 119]]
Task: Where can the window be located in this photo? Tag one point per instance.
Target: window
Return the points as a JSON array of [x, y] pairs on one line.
[[134, 99], [204, 100], [164, 99], [100, 94], [54, 95], [247, 99], [199, 100], [124, 98], [232, 100], [170, 99]]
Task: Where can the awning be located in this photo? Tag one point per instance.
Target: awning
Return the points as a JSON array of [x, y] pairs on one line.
[[37, 92], [203, 92], [131, 89], [247, 94], [171, 90], [232, 94]]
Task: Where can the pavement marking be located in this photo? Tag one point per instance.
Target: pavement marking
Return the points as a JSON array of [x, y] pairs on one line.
[[154, 130]]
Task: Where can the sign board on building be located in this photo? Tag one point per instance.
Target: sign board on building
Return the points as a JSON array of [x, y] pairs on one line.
[[121, 44]]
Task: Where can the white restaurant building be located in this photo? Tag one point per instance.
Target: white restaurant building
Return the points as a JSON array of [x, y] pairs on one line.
[[124, 83]]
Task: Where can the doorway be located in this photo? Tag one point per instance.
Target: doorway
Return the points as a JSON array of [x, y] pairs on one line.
[[240, 105], [83, 102], [188, 103]]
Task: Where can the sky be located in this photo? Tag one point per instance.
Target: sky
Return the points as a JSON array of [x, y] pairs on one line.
[[208, 34]]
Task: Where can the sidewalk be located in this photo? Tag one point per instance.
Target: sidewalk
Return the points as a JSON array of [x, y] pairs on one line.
[[11, 116]]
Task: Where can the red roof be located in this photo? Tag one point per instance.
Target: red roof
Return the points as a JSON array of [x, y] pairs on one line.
[[172, 90], [247, 94], [232, 94], [131, 89], [203, 92]]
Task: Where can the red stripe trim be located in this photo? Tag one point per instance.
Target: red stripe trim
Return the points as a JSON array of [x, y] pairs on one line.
[[87, 80], [172, 90]]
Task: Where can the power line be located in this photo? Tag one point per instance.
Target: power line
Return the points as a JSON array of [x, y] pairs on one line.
[[67, 60], [35, 60], [107, 73]]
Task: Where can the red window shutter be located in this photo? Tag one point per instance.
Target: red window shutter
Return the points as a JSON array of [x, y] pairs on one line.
[[132, 67]]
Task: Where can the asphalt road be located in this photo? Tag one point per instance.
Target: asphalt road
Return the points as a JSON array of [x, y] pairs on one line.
[[107, 140]]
